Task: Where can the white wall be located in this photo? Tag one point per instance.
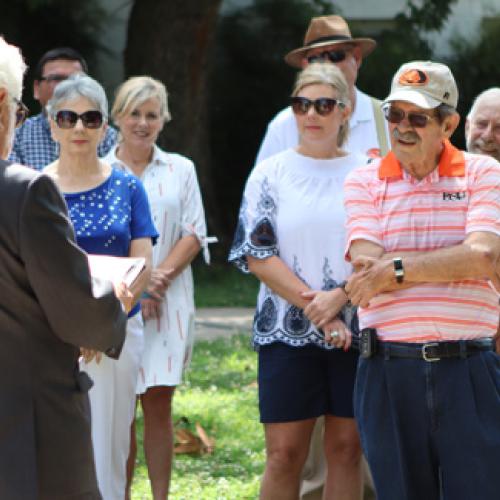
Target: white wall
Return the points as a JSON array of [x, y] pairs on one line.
[[464, 20]]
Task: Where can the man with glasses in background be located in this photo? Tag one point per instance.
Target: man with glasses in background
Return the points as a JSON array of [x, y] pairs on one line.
[[328, 39], [33, 144], [423, 226]]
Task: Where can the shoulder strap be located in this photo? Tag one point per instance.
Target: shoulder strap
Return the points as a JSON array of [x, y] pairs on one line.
[[380, 126]]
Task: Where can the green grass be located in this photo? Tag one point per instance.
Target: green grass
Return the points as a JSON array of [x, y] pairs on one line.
[[220, 393], [222, 285]]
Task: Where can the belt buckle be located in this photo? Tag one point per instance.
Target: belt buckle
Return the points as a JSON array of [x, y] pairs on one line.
[[424, 352]]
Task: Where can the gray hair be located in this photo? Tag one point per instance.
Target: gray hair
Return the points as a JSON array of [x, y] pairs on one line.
[[326, 74], [137, 90], [493, 92], [79, 85], [12, 68], [443, 111]]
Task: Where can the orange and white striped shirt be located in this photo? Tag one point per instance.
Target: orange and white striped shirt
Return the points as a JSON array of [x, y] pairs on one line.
[[387, 206]]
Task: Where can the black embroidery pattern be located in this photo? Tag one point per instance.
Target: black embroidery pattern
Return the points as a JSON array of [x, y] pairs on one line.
[[266, 317], [257, 238], [295, 322]]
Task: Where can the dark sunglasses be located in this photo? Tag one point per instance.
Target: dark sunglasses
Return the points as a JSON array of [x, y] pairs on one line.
[[53, 78], [416, 120], [334, 56], [22, 112], [323, 106], [67, 119]]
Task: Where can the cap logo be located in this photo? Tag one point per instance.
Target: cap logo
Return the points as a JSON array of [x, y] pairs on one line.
[[413, 77]]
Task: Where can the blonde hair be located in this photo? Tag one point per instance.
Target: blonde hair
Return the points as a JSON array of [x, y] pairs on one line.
[[12, 68], [136, 90], [326, 74]]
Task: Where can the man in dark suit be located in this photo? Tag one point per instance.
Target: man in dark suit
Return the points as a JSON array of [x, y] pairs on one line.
[[49, 307]]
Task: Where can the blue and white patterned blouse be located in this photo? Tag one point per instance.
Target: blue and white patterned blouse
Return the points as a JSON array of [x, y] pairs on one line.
[[108, 217], [34, 146], [293, 207]]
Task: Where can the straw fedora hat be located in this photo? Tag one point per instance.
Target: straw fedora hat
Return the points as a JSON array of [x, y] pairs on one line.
[[328, 30]]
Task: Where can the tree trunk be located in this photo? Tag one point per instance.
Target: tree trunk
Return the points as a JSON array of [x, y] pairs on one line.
[[172, 40]]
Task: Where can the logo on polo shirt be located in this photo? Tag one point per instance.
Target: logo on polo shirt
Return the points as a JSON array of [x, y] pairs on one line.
[[459, 195]]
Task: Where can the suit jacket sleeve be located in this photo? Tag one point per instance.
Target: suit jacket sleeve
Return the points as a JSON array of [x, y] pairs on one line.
[[79, 312]]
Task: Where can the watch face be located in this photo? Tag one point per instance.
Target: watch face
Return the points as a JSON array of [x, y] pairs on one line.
[[398, 269]]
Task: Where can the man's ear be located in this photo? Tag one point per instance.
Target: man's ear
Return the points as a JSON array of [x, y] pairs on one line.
[[451, 124], [358, 56], [467, 127], [4, 111], [36, 83]]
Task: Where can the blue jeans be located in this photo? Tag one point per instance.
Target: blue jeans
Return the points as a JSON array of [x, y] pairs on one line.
[[431, 430]]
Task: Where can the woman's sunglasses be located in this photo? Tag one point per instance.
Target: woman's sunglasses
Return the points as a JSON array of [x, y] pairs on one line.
[[22, 112], [396, 115], [67, 119], [334, 56], [323, 106]]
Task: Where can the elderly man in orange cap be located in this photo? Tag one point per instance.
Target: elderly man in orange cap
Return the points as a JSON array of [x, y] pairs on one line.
[[424, 237], [328, 39]]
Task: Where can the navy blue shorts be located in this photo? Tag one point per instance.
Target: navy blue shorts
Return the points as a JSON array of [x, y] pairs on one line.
[[297, 383]]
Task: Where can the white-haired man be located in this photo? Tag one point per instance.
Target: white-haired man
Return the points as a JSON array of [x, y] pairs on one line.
[[482, 127], [482, 133], [48, 308], [424, 237]]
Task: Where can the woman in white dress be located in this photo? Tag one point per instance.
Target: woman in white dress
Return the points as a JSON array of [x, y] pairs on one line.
[[291, 235], [140, 110]]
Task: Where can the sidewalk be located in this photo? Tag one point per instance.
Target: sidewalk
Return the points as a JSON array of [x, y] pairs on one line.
[[214, 322]]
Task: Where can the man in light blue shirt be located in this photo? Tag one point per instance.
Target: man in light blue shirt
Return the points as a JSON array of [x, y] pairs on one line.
[[33, 143]]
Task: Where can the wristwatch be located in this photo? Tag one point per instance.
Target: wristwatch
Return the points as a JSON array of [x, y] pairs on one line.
[[399, 270]]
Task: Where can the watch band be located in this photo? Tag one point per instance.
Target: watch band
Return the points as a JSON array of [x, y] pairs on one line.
[[399, 270]]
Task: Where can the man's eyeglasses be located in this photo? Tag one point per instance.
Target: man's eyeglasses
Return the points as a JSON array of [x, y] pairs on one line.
[[396, 115], [53, 78], [22, 112], [334, 56], [67, 119], [323, 106]]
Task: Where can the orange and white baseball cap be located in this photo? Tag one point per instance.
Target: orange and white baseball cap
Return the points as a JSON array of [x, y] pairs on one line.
[[426, 84]]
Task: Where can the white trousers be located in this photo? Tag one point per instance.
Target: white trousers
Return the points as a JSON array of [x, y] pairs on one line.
[[112, 405]]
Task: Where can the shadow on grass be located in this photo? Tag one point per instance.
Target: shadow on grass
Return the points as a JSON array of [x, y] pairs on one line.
[[220, 393]]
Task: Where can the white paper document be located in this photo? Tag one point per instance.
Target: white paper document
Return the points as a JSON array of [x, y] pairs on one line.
[[116, 269]]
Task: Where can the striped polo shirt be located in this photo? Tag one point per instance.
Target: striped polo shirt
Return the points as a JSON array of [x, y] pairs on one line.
[[387, 206]]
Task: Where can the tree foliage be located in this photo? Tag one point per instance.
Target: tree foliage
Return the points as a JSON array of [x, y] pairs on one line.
[[250, 82], [475, 66], [40, 25], [406, 41], [172, 41]]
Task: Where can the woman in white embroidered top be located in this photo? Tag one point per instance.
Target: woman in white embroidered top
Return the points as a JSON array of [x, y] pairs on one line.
[[140, 110], [291, 235]]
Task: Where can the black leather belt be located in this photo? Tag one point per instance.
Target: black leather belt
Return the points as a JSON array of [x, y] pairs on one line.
[[434, 351]]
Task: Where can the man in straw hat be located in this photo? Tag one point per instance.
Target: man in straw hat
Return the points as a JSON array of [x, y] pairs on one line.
[[328, 39], [424, 237]]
